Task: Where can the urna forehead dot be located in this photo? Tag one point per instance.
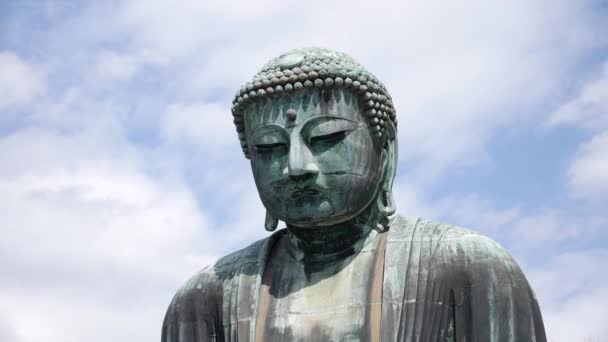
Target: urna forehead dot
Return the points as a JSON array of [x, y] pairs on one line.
[[291, 114]]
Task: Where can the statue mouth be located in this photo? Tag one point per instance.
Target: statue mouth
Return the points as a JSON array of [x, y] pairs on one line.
[[300, 202], [299, 193], [299, 190]]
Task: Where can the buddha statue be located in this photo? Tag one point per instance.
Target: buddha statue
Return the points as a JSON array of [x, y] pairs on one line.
[[321, 135]]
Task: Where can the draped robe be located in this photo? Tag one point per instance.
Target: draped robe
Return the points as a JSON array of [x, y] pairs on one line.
[[438, 283]]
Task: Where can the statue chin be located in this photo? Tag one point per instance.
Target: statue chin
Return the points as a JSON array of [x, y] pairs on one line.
[[320, 215], [310, 213]]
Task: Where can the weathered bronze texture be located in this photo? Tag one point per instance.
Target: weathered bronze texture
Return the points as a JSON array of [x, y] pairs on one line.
[[320, 132]]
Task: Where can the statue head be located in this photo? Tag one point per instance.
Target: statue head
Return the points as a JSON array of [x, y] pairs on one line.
[[320, 132]]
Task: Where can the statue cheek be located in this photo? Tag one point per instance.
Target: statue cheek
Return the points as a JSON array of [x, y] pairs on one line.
[[268, 168]]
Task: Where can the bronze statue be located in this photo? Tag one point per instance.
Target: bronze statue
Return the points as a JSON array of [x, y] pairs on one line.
[[320, 132]]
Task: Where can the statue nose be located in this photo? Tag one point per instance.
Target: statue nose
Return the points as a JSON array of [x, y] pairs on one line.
[[301, 163]]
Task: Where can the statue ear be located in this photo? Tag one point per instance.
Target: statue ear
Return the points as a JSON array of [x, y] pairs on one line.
[[385, 201]]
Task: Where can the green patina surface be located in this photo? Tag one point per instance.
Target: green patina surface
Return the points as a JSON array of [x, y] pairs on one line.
[[320, 132]]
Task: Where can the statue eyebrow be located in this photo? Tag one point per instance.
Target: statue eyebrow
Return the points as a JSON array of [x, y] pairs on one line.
[[269, 126], [319, 118]]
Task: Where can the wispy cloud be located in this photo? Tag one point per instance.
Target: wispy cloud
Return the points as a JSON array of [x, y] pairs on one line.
[[588, 172], [20, 81], [589, 109]]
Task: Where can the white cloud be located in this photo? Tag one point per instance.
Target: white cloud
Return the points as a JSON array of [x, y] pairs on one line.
[[121, 66], [87, 194], [411, 201], [7, 331], [571, 289], [588, 172], [476, 212], [54, 315], [113, 66], [589, 109], [20, 82], [179, 31], [523, 229], [472, 210], [209, 125], [582, 318], [546, 228], [85, 226]]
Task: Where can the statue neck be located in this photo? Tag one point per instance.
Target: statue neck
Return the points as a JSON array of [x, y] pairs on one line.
[[337, 241]]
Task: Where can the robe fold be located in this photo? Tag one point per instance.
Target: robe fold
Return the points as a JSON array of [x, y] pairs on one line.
[[440, 283]]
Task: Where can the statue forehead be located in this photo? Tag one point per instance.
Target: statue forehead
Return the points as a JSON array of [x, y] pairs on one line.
[[297, 107], [315, 68]]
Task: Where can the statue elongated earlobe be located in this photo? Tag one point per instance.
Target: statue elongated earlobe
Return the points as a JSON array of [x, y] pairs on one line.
[[384, 201], [270, 223], [386, 204]]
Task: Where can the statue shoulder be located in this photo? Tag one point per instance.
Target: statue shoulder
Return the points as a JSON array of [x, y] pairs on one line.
[[419, 230], [224, 268], [489, 288], [458, 249], [201, 297]]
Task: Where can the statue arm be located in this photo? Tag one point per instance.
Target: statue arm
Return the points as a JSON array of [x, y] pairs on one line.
[[495, 301]]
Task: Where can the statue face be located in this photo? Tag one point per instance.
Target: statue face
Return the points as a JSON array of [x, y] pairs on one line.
[[313, 156]]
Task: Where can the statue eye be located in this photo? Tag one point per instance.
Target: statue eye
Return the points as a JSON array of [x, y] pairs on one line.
[[269, 143], [269, 138], [329, 137], [330, 131], [269, 147]]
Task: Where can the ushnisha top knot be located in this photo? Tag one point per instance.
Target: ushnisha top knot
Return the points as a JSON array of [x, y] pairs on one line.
[[315, 68]]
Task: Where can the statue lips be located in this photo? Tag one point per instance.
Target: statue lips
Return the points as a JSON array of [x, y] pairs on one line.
[[299, 193], [299, 190]]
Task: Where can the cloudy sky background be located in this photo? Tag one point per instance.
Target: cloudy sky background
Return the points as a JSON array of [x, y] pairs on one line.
[[121, 173]]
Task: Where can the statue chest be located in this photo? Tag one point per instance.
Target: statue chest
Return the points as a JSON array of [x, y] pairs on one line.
[[328, 299]]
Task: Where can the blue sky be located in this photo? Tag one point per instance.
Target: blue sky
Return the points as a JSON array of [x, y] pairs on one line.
[[121, 173]]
